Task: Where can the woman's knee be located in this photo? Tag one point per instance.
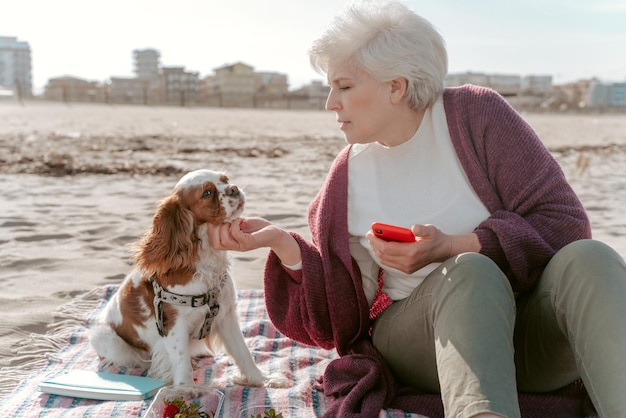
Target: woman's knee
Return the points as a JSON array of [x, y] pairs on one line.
[[588, 259], [478, 277], [587, 252], [476, 267], [583, 269]]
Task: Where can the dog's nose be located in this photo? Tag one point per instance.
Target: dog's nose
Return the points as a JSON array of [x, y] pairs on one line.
[[232, 191]]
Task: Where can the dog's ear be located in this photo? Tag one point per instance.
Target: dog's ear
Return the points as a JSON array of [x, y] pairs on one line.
[[171, 243]]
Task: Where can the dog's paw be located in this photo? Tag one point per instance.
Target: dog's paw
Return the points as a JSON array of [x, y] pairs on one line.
[[271, 381], [244, 380], [276, 381]]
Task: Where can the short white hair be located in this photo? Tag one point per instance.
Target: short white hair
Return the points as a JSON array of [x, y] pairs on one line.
[[388, 41]]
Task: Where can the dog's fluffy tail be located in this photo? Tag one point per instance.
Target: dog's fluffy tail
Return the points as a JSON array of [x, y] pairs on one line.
[[112, 349]]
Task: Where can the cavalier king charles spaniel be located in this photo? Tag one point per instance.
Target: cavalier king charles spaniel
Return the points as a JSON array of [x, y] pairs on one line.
[[179, 302]]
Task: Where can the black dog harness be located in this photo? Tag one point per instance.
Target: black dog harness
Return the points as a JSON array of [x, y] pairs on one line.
[[209, 298]]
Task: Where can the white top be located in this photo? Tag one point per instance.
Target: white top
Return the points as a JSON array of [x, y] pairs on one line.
[[418, 182]]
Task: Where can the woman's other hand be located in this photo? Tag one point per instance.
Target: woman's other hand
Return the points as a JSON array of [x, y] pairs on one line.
[[431, 245]]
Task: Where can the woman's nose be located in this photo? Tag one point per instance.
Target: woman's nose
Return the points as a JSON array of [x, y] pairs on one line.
[[332, 103]]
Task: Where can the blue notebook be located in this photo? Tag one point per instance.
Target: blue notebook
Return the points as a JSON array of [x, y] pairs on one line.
[[102, 386]]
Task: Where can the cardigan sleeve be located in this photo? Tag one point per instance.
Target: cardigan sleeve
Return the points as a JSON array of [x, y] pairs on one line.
[[296, 300], [323, 304], [534, 211]]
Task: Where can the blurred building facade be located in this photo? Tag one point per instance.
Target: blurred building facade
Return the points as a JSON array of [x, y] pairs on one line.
[[315, 93], [606, 95], [179, 87], [146, 63], [147, 68], [16, 67], [271, 90], [584, 95], [129, 90], [505, 84], [74, 89], [539, 93], [231, 86]]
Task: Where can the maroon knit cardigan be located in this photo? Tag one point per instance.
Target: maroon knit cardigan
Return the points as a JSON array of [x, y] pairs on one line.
[[534, 213]]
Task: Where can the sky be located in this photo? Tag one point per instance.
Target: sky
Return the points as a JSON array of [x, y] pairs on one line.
[[95, 39]]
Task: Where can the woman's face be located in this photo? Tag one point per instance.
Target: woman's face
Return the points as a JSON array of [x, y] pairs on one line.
[[362, 104]]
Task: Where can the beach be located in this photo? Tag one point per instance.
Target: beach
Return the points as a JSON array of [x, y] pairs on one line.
[[80, 183]]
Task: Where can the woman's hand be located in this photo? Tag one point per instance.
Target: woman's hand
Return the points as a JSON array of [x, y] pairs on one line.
[[243, 234], [431, 245], [246, 234]]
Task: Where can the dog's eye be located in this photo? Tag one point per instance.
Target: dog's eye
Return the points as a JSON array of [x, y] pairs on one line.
[[207, 193]]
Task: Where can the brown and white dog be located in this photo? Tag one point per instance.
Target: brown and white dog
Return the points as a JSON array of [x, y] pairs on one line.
[[179, 300]]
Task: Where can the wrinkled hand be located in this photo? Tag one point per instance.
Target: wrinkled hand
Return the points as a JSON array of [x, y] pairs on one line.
[[246, 234], [243, 234], [431, 245]]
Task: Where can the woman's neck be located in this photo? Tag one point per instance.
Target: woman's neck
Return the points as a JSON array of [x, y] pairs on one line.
[[404, 127]]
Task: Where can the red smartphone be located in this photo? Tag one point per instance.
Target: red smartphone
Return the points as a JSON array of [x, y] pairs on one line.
[[392, 232]]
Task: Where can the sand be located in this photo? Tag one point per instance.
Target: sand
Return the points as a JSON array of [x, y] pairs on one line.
[[79, 183]]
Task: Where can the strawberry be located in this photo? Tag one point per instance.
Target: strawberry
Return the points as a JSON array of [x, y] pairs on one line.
[[170, 411]]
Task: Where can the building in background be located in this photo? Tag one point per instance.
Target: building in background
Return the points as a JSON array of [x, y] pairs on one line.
[[528, 92], [179, 87], [146, 63], [238, 85], [130, 90], [74, 89], [506, 85], [536, 84], [606, 95], [145, 87], [16, 67], [458, 79], [231, 85], [147, 68], [315, 94], [271, 90], [534, 92], [267, 82], [618, 95], [570, 96]]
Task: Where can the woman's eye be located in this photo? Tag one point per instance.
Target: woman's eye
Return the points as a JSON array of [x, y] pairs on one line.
[[207, 193], [344, 88]]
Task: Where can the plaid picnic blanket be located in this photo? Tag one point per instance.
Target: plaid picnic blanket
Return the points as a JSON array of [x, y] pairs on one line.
[[66, 347]]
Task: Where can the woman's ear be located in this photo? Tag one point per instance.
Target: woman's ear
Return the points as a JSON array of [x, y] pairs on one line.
[[398, 89], [171, 243]]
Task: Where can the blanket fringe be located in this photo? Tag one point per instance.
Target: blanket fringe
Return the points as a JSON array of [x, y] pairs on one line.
[[36, 351]]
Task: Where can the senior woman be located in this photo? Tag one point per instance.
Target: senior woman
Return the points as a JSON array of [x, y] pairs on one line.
[[502, 290]]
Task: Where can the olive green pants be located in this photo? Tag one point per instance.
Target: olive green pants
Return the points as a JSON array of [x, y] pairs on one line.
[[462, 333]]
